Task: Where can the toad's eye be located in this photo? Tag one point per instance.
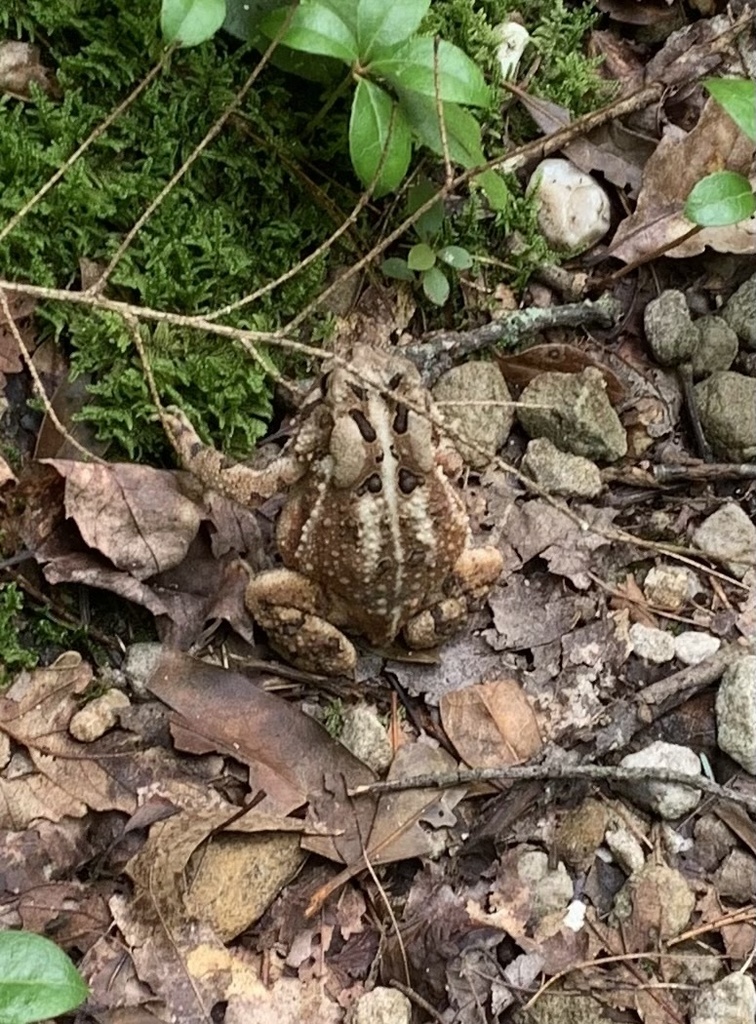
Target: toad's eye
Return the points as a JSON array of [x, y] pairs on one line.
[[395, 381], [401, 418], [364, 425], [357, 391]]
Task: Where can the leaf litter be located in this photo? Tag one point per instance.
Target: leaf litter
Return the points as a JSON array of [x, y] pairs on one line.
[[217, 847]]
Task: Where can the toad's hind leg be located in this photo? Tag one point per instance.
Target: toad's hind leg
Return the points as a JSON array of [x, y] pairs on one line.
[[289, 608]]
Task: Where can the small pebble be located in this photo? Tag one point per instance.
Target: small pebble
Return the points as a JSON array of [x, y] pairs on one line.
[[692, 648], [655, 645], [96, 717]]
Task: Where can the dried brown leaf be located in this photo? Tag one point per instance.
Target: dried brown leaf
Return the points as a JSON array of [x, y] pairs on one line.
[[679, 162], [491, 724]]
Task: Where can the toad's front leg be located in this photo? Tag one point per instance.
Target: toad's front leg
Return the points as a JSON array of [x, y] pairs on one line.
[[250, 487]]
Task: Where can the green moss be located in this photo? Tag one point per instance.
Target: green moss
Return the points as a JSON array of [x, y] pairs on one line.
[[13, 654], [564, 74], [236, 220]]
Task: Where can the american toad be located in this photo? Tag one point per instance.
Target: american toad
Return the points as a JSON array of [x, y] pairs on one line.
[[373, 536]]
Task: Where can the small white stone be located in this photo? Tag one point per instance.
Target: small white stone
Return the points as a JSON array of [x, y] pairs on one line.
[[574, 211], [692, 648], [655, 645], [668, 799], [98, 716]]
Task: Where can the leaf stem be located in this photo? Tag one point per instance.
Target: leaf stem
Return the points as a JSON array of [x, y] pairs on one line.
[[336, 94]]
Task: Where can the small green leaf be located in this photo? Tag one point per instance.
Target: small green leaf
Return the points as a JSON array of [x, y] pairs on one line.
[[191, 22], [455, 256], [397, 268], [377, 123], [37, 980], [411, 66], [495, 188], [421, 257], [384, 23], [462, 130], [314, 28], [429, 223], [720, 199], [738, 97], [435, 286]]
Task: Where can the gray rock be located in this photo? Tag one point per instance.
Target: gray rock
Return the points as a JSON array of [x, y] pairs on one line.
[[655, 645], [559, 472], [572, 410], [740, 312], [731, 1000], [726, 404], [141, 661], [549, 890], [671, 333], [736, 878], [736, 712], [667, 799], [468, 388], [382, 1006], [565, 1009], [729, 536], [691, 648], [670, 586], [716, 347], [364, 734]]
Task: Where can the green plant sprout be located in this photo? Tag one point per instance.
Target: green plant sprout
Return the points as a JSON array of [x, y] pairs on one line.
[[726, 197], [425, 259], [405, 83]]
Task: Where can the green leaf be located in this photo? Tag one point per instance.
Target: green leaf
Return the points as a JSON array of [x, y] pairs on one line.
[[37, 980], [455, 256], [495, 188], [411, 66], [738, 97], [462, 130], [421, 257], [429, 223], [377, 123], [191, 22], [314, 28], [720, 199], [397, 268], [345, 9], [435, 286], [384, 23]]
